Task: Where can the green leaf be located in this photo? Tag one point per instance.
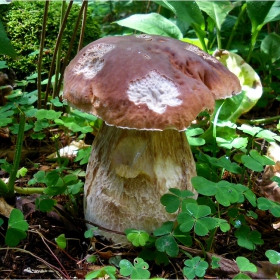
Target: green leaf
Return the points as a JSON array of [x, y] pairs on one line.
[[166, 228], [47, 114], [17, 221], [44, 203], [61, 241], [270, 12], [90, 232], [187, 11], [107, 270], [241, 276], [248, 239], [152, 24], [264, 160], [215, 262], [245, 265], [193, 141], [266, 204], [270, 45], [251, 163], [195, 267], [6, 48], [167, 244], [137, 237], [137, 271], [273, 256], [16, 228], [14, 236], [171, 202], [250, 82], [217, 10]]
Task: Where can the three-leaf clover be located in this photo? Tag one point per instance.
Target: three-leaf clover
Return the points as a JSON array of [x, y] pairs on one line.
[[195, 267], [137, 237], [17, 228], [247, 238], [194, 216], [273, 256], [244, 265], [137, 271]]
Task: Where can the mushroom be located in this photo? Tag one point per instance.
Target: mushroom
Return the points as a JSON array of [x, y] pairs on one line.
[[147, 90]]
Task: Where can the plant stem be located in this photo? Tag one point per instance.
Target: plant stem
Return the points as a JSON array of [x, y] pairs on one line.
[[254, 37], [59, 37], [40, 58], [243, 9], [17, 155], [219, 40], [199, 34], [259, 121], [83, 26], [57, 63], [29, 190]]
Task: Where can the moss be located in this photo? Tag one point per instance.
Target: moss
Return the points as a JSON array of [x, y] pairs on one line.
[[23, 24]]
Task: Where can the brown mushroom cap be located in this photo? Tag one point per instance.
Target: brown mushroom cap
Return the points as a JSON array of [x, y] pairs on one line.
[[146, 82]]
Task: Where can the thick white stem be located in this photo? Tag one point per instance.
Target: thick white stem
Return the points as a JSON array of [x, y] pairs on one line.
[[129, 171]]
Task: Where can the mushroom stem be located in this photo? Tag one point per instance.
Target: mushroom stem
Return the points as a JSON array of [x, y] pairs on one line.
[[128, 172]]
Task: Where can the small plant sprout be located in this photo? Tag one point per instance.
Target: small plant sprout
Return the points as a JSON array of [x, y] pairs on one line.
[[141, 150], [195, 267]]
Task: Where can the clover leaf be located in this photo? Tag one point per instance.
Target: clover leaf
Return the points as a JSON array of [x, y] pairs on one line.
[[195, 267], [137, 271], [273, 256]]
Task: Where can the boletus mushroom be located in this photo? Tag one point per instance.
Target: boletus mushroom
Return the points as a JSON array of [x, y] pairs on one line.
[[147, 90]]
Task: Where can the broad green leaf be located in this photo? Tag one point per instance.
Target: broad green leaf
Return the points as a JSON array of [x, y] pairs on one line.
[[245, 265], [273, 256], [126, 267], [195, 141], [152, 24], [217, 10], [270, 45], [248, 239], [195, 42], [250, 82], [186, 222], [215, 262], [270, 11], [61, 241], [6, 48], [187, 11], [167, 244], [183, 237], [90, 232]]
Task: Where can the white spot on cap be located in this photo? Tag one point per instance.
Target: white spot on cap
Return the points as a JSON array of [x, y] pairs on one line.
[[143, 36], [154, 90], [91, 62]]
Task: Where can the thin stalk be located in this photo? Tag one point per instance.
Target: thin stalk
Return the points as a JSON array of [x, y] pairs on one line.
[[255, 35], [40, 58], [59, 37], [259, 121], [29, 190], [70, 48], [83, 25], [17, 155], [243, 9], [57, 63], [199, 35], [219, 40]]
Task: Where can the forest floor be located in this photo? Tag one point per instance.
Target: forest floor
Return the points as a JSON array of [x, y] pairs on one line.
[[39, 257]]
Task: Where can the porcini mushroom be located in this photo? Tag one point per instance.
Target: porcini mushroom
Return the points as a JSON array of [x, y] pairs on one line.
[[147, 90]]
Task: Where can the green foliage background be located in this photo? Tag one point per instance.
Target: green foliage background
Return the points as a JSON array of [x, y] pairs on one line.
[[22, 21]]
